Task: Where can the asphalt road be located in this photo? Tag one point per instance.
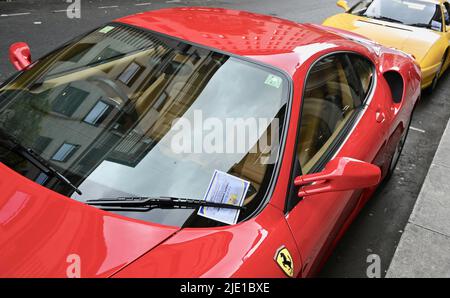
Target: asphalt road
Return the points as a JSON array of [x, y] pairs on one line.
[[44, 25]]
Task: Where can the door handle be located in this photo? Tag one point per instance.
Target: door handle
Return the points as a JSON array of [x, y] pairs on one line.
[[379, 116]]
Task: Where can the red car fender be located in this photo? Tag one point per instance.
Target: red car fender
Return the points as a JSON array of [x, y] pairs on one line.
[[45, 234]]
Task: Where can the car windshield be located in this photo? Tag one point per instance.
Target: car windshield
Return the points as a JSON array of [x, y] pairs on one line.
[[123, 112], [418, 13]]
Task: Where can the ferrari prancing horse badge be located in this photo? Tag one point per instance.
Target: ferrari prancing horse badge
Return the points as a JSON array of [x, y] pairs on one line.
[[284, 260]]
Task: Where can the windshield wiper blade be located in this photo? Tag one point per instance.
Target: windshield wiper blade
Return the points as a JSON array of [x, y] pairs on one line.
[[148, 203], [382, 18], [35, 159], [423, 25]]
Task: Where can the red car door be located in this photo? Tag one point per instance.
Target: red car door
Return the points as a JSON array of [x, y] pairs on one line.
[[335, 122]]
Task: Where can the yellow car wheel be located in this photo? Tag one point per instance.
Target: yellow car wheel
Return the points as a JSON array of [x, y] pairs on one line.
[[438, 74]]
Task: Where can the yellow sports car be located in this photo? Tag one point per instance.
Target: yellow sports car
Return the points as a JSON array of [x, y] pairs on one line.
[[418, 27]]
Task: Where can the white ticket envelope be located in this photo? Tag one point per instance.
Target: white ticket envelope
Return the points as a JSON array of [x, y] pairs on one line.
[[227, 189]]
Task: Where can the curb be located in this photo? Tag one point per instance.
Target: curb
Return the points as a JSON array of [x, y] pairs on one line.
[[424, 248]]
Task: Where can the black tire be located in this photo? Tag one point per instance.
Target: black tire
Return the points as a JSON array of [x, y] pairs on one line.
[[398, 152]]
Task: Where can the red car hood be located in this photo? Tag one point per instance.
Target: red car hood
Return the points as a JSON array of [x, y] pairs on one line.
[[45, 234]]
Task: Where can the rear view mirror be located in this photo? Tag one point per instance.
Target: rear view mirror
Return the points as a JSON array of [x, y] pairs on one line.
[[339, 174], [20, 55], [343, 4]]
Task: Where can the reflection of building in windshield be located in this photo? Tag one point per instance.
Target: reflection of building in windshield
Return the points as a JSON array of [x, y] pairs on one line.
[[119, 106]]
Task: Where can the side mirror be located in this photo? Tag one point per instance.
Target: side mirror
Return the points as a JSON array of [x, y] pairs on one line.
[[343, 4], [339, 174], [20, 55]]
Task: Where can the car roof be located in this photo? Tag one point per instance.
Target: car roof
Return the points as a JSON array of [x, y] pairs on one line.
[[271, 40]]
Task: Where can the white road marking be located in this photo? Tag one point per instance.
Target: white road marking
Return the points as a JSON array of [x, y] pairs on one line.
[[417, 129], [65, 10], [144, 3], [111, 6], [37, 23], [15, 14]]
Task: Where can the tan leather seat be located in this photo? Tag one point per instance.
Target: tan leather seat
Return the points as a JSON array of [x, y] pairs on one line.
[[147, 98], [327, 105], [252, 167]]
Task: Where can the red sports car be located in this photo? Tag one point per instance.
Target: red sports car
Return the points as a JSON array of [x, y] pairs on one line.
[[115, 156]]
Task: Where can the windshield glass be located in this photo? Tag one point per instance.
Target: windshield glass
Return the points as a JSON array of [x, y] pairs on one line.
[[123, 112], [419, 13]]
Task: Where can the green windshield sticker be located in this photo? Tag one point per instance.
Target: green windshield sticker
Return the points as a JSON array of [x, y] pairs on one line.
[[106, 29], [273, 80]]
